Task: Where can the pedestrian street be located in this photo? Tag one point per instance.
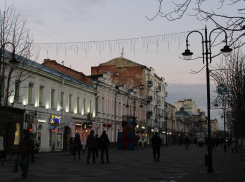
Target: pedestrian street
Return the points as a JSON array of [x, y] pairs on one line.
[[177, 164]]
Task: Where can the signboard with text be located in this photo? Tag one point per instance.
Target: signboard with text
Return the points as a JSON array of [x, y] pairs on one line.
[[200, 137]]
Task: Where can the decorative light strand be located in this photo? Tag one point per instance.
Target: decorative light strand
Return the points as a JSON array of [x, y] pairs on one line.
[[113, 45]]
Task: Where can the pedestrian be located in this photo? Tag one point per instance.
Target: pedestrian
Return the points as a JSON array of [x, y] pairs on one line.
[[71, 145], [26, 145], [77, 146], [92, 144], [104, 141], [186, 141], [180, 141], [97, 146], [35, 147], [156, 143]]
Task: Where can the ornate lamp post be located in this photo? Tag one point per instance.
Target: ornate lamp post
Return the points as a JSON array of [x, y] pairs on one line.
[[207, 54]]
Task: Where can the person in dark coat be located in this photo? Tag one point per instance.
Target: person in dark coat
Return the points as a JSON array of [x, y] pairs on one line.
[[156, 143], [25, 148], [104, 141], [186, 141], [76, 146], [92, 145], [97, 148], [71, 145]]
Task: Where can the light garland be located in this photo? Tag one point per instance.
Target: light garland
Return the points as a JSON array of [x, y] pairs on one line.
[[100, 46]]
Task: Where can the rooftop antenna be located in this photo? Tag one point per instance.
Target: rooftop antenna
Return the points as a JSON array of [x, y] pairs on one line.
[[122, 52]]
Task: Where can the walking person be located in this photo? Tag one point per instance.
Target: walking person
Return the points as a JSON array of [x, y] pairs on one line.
[[186, 141], [104, 141], [156, 143], [97, 146], [76, 146], [26, 145], [92, 144], [35, 147], [71, 145]]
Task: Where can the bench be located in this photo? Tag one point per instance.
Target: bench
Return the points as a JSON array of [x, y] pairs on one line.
[[14, 150]]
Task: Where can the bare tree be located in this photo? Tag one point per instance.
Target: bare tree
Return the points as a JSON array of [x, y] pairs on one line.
[[15, 42], [233, 75], [198, 8]]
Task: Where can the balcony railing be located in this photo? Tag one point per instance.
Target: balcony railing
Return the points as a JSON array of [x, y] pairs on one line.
[[149, 83], [149, 99], [158, 89]]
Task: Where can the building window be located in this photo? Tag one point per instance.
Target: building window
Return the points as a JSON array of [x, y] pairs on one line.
[[62, 100], [78, 105], [52, 98], [30, 89], [90, 106], [70, 98], [17, 90], [84, 106], [40, 95], [103, 100]]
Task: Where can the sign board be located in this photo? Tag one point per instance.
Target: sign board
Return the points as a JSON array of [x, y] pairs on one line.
[[221, 89], [52, 127], [200, 137], [59, 138]]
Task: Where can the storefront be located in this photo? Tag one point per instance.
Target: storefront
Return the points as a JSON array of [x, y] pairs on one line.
[[56, 136], [14, 128]]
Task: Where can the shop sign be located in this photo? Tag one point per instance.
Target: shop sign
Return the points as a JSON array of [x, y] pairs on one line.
[[41, 121], [55, 120], [87, 125], [52, 127]]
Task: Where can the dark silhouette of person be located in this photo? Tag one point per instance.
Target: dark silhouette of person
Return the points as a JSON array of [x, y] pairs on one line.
[[76, 146], [156, 143], [25, 148], [92, 144], [97, 147], [186, 140], [104, 141]]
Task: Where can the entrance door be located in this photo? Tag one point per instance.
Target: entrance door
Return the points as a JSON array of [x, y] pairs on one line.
[[59, 141]]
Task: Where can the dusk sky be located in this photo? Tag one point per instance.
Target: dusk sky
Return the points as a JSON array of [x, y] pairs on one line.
[[61, 21]]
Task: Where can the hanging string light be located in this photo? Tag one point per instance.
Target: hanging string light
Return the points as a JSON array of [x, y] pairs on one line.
[[113, 45]]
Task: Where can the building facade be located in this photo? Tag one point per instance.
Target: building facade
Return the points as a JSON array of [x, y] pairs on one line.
[[56, 105], [151, 88]]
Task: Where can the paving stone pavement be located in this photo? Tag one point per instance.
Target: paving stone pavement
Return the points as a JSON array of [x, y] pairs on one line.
[[177, 164]]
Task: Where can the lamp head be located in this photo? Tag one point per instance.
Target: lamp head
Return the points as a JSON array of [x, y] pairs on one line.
[[187, 54], [226, 51], [13, 62]]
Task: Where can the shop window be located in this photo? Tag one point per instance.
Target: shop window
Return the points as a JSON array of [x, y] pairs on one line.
[[78, 105], [17, 90], [70, 100], [62, 99], [41, 96], [30, 90], [17, 134], [52, 98]]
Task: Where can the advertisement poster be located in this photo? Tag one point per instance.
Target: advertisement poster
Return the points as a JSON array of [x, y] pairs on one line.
[[200, 136], [1, 143]]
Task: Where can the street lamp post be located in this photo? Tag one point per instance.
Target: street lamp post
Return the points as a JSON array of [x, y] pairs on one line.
[[207, 54]]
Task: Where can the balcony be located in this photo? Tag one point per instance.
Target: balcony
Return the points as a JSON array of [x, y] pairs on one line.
[[149, 114], [149, 99], [158, 103], [158, 89], [149, 83]]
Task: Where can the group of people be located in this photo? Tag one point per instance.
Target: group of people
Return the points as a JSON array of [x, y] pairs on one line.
[[94, 144]]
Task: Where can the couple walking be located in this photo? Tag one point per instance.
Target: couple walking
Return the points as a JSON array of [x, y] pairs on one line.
[[95, 143]]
